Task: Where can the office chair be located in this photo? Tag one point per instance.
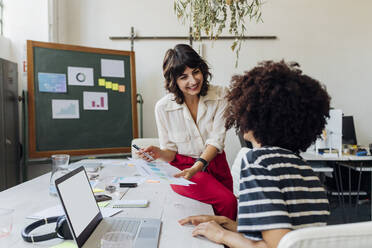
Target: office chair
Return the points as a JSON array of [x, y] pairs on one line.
[[243, 142]]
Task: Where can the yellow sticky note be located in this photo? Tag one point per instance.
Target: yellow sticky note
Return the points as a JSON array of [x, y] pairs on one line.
[[130, 165], [65, 244], [121, 88], [97, 190], [108, 85], [101, 82], [115, 86]]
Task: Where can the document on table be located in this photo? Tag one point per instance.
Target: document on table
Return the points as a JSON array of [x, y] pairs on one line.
[[58, 210], [160, 171], [138, 180]]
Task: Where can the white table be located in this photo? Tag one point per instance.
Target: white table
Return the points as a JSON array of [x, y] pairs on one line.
[[358, 163], [33, 196]]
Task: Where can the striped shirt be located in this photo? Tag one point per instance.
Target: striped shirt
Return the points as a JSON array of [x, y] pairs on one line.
[[278, 190]]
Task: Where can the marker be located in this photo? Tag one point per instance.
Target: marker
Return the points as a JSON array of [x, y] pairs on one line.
[[144, 153]]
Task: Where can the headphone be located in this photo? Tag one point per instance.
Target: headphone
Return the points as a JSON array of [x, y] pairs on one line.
[[62, 230]]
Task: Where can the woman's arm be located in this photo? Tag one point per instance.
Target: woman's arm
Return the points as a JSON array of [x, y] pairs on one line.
[[208, 154], [216, 233], [222, 220]]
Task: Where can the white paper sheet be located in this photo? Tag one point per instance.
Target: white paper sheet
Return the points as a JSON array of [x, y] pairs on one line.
[[159, 171], [58, 210], [65, 109], [82, 76], [95, 100], [112, 68], [137, 180]]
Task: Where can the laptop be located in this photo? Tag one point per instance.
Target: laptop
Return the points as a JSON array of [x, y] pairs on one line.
[[85, 218]]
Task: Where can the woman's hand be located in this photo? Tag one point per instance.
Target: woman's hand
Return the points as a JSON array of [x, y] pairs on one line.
[[221, 220], [190, 172], [187, 173], [153, 151], [197, 219], [211, 230]]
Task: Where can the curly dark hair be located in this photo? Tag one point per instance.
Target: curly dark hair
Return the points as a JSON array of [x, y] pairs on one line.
[[175, 62], [280, 105]]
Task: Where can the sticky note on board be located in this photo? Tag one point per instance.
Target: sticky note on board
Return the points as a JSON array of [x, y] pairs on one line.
[[101, 82], [115, 86], [121, 88], [108, 85]]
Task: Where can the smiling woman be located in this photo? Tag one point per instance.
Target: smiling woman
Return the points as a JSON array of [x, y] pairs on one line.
[[191, 130]]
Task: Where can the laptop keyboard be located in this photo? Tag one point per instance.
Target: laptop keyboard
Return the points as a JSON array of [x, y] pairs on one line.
[[130, 226]]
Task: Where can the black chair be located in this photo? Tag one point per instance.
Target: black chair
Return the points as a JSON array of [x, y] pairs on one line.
[[243, 142]]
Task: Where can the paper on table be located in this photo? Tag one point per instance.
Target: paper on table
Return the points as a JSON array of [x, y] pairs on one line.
[[66, 244], [130, 204], [57, 211], [137, 180], [159, 170]]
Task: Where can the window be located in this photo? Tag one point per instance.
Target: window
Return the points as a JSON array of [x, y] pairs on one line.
[[1, 17]]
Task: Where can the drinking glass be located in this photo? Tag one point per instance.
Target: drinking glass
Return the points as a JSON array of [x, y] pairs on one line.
[[117, 240], [6, 221], [59, 168]]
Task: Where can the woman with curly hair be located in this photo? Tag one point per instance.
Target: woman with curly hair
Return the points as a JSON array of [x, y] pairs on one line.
[[190, 121], [281, 111]]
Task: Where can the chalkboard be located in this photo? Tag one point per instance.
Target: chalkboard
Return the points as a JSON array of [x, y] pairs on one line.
[[81, 100]]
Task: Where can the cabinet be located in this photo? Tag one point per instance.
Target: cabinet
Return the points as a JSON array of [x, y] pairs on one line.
[[9, 126]]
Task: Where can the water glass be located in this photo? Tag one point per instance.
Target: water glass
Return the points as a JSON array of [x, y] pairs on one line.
[[6, 221], [59, 168], [117, 240]]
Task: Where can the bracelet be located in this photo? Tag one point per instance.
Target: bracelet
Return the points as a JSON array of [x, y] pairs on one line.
[[204, 162]]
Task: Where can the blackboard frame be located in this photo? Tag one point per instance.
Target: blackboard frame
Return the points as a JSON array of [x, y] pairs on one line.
[[33, 152]]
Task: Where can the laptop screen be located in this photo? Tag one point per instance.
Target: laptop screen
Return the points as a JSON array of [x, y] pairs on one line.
[[78, 201]]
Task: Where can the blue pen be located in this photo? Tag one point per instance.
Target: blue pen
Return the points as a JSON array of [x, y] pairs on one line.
[[144, 153]]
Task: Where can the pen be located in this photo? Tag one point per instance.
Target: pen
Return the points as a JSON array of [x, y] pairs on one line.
[[144, 153]]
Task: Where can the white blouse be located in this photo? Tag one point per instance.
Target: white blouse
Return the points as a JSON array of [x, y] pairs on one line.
[[177, 130]]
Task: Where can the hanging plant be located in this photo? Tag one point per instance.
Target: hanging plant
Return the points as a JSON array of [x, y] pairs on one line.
[[211, 17]]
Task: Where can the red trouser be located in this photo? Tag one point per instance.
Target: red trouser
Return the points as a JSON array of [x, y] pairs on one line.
[[214, 186]]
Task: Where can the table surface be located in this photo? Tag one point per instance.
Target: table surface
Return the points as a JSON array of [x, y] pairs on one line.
[[308, 156], [33, 196]]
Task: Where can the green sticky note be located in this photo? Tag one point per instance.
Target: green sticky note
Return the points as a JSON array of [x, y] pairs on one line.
[[103, 204], [66, 244]]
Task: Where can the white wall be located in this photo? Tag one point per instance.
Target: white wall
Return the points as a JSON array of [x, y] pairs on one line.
[[330, 39], [24, 20], [5, 48]]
